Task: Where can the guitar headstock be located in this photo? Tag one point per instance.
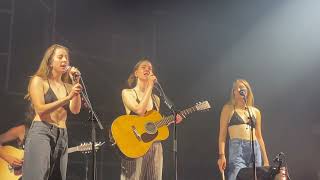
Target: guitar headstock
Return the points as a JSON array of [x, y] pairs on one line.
[[87, 147], [204, 105]]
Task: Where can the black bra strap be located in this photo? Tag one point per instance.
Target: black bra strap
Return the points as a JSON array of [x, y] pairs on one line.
[[137, 99], [152, 97], [49, 83]]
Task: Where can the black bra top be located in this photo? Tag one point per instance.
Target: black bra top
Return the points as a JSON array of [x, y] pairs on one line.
[[138, 101], [237, 120], [50, 96]]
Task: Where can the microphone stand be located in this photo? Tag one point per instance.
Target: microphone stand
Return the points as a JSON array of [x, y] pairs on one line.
[[171, 107], [93, 118], [87, 165], [253, 157]]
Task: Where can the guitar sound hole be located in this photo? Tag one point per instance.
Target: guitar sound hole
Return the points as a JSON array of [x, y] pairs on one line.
[[151, 128]]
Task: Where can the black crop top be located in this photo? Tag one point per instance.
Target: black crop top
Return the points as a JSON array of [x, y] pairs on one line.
[[236, 119], [50, 96]]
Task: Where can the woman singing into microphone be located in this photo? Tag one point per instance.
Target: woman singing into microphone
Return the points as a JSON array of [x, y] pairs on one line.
[[51, 95], [138, 100], [235, 120]]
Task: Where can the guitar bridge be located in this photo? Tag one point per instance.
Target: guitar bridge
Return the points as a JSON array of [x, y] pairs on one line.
[[135, 132]]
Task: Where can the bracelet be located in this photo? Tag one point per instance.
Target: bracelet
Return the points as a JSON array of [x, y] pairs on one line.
[[221, 155]]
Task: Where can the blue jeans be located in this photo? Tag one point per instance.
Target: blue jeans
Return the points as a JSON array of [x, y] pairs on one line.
[[240, 156], [45, 154]]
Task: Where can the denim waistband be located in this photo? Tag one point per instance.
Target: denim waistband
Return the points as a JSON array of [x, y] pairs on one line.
[[242, 141], [45, 124]]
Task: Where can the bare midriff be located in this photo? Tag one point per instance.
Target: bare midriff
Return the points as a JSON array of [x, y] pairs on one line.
[[242, 131], [57, 118]]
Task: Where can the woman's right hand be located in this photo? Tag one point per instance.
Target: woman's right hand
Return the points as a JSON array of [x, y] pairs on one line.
[[222, 163], [12, 161], [152, 79], [75, 91]]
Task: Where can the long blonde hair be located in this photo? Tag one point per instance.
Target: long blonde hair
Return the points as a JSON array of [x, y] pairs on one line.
[[132, 80], [250, 97], [44, 70]]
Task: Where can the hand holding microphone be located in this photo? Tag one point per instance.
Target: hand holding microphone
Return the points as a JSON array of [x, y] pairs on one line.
[[74, 73], [75, 91], [152, 79]]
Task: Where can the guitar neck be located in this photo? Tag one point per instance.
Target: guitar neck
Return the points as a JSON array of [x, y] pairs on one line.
[[72, 149], [168, 119]]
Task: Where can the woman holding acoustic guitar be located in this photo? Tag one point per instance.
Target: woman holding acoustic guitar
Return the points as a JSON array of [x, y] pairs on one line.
[[235, 120], [137, 101], [15, 136], [11, 147]]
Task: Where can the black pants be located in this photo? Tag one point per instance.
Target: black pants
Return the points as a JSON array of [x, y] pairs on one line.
[[45, 154]]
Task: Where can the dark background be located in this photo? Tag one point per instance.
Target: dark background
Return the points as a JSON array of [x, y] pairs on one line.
[[198, 48]]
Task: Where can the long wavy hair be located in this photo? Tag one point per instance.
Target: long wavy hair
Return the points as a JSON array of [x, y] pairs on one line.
[[45, 70], [250, 96], [29, 115], [132, 80]]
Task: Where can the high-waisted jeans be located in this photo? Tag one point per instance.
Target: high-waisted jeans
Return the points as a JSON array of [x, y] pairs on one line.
[[240, 156], [45, 155]]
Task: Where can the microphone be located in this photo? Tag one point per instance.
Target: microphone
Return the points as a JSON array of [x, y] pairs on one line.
[[75, 73], [67, 69], [242, 92]]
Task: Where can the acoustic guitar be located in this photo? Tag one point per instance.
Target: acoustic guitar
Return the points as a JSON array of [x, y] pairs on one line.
[[7, 172], [134, 135]]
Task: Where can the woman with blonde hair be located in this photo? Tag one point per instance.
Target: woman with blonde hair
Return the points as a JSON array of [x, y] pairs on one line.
[[235, 121], [51, 96]]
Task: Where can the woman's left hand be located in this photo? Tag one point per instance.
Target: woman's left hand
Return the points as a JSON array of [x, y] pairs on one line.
[[178, 119]]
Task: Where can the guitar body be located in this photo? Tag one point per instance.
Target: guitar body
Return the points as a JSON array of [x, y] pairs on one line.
[[6, 172], [134, 135]]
